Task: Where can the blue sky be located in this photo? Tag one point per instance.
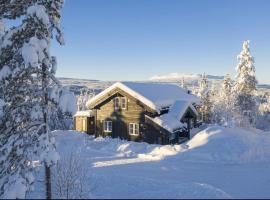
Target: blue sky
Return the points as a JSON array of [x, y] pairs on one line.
[[136, 39]]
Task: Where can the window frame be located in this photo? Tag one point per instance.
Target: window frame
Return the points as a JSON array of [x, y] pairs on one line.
[[107, 126], [117, 99], [125, 103], [135, 128]]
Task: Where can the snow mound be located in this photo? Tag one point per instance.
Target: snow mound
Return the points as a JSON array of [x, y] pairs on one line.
[[228, 145]]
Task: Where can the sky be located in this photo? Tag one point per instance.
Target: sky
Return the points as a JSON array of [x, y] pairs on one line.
[[137, 39]]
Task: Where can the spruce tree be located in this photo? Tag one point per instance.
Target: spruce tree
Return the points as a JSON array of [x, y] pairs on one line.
[[245, 88], [204, 94], [27, 73]]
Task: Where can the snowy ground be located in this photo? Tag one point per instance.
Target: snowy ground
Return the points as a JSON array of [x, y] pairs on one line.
[[215, 163]]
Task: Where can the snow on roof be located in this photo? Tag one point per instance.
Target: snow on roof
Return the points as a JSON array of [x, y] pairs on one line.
[[84, 113], [172, 120], [168, 122], [154, 95], [179, 108]]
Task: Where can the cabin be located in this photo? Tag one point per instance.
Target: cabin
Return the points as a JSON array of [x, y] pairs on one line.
[[84, 121], [155, 113]]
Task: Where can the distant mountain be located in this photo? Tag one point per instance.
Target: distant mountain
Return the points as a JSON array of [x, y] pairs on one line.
[[176, 77], [192, 79]]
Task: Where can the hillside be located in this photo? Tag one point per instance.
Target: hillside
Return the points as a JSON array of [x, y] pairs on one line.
[[216, 163]]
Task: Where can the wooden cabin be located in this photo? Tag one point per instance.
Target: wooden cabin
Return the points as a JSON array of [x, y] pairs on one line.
[[143, 112], [84, 121]]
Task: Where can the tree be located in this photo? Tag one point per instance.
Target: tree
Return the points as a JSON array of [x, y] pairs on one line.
[[183, 83], [204, 94], [27, 73], [245, 107], [222, 102], [83, 98], [226, 96]]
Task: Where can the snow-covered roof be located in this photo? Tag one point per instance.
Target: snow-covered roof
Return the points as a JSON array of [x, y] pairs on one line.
[[171, 121], [168, 122], [84, 113], [154, 95], [179, 108]]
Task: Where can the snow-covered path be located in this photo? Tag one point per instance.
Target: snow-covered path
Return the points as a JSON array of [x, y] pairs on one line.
[[216, 163]]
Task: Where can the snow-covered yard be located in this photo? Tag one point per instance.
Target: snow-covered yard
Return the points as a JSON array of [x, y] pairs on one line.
[[216, 163]]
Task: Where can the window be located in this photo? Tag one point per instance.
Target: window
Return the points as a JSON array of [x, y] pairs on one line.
[[107, 126], [117, 103], [120, 102], [84, 124], [133, 129], [124, 103]]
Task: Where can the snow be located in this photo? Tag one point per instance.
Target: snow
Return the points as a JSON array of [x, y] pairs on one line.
[[154, 95], [175, 77], [179, 108], [33, 51], [216, 163], [40, 12], [168, 122], [2, 27], [2, 103], [67, 101], [83, 113], [171, 120], [5, 72]]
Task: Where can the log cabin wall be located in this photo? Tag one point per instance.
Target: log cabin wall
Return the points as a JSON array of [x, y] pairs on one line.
[[84, 124], [134, 113]]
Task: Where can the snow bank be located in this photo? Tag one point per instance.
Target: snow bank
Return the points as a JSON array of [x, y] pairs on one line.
[[228, 145], [213, 164]]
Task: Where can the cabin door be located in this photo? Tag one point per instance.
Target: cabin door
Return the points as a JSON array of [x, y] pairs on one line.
[[92, 125], [119, 129]]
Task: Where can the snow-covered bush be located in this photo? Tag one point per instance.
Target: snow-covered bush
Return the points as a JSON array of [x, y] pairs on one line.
[[71, 178]]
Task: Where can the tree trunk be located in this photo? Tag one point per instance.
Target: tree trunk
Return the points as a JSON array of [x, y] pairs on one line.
[[48, 182], [46, 121]]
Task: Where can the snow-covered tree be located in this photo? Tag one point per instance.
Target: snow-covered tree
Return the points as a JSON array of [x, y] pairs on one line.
[[245, 108], [222, 103], [83, 98], [182, 83], [27, 72], [205, 95]]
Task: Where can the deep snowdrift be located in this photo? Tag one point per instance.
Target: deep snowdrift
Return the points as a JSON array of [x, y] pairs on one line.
[[229, 145], [216, 163]]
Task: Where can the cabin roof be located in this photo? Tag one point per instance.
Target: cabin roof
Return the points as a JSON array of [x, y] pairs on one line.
[[84, 113], [155, 95], [171, 121]]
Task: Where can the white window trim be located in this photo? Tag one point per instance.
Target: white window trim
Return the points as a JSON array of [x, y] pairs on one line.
[[133, 129], [119, 103], [106, 126], [124, 98]]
